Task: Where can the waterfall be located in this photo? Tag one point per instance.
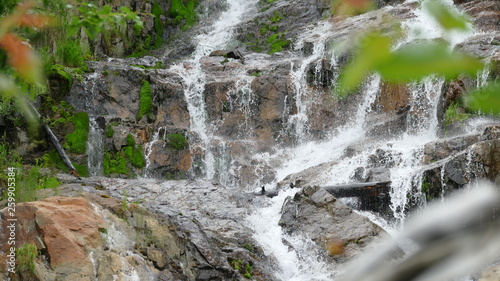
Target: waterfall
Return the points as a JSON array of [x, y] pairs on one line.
[[194, 79], [149, 149], [298, 73], [95, 148], [298, 259], [404, 151]]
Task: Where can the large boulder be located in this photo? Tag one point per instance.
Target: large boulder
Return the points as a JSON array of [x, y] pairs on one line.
[[317, 214], [65, 230]]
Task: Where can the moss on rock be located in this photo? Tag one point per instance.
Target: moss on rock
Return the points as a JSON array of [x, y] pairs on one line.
[[184, 12], [177, 141], [145, 100]]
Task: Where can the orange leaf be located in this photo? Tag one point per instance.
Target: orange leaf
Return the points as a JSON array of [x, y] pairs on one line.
[[34, 20], [21, 57]]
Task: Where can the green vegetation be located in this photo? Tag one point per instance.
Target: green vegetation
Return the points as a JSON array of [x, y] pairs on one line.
[[121, 162], [109, 132], [135, 155], [114, 163], [77, 141], [425, 189], [184, 13], [243, 268], [157, 12], [268, 39], [249, 247], [70, 53], [130, 140], [277, 43], [411, 62], [95, 20], [124, 203], [145, 100], [452, 114], [485, 100], [26, 255], [9, 111], [176, 141], [28, 180], [276, 17]]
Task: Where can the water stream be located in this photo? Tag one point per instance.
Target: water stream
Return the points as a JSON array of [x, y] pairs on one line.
[[194, 79], [95, 148]]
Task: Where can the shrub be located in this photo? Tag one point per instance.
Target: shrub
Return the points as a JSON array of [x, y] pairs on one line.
[[77, 141], [177, 141], [70, 53], [452, 114], [145, 100], [26, 255]]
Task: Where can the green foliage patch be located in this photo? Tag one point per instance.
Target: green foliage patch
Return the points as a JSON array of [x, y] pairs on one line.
[[452, 114], [277, 43], [26, 255], [176, 141], [184, 11], [157, 12], [485, 100], [114, 163], [70, 53], [145, 100], [77, 141], [135, 156]]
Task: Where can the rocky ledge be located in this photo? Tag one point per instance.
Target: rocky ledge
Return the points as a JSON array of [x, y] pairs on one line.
[[113, 229]]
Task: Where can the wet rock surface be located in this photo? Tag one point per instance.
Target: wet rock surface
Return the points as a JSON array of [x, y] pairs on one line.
[[317, 214], [174, 230]]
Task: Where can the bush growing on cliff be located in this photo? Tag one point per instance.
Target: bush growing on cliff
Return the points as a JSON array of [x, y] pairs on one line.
[[77, 141], [26, 255], [145, 100], [453, 115], [184, 12], [70, 53], [177, 141]]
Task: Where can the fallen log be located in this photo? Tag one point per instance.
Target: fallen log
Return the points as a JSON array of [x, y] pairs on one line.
[[55, 142], [365, 189], [373, 196]]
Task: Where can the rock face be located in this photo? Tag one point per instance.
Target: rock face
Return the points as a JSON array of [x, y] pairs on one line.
[[318, 215], [460, 161], [170, 236], [65, 230]]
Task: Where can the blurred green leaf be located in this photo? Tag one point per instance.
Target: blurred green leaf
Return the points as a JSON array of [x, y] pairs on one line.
[[105, 10], [416, 61], [447, 17], [374, 50], [486, 100]]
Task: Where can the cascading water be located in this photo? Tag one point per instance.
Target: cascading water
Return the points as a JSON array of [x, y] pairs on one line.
[[95, 148], [297, 264], [303, 96], [149, 150], [405, 151], [194, 78]]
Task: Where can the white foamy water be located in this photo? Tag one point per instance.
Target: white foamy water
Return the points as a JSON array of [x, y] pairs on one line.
[[194, 78], [95, 148], [298, 260], [424, 26]]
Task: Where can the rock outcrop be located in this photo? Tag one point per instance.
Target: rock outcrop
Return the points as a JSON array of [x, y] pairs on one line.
[[315, 213], [170, 235]]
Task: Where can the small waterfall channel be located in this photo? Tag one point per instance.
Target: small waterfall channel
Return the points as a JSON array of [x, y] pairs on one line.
[[194, 78]]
